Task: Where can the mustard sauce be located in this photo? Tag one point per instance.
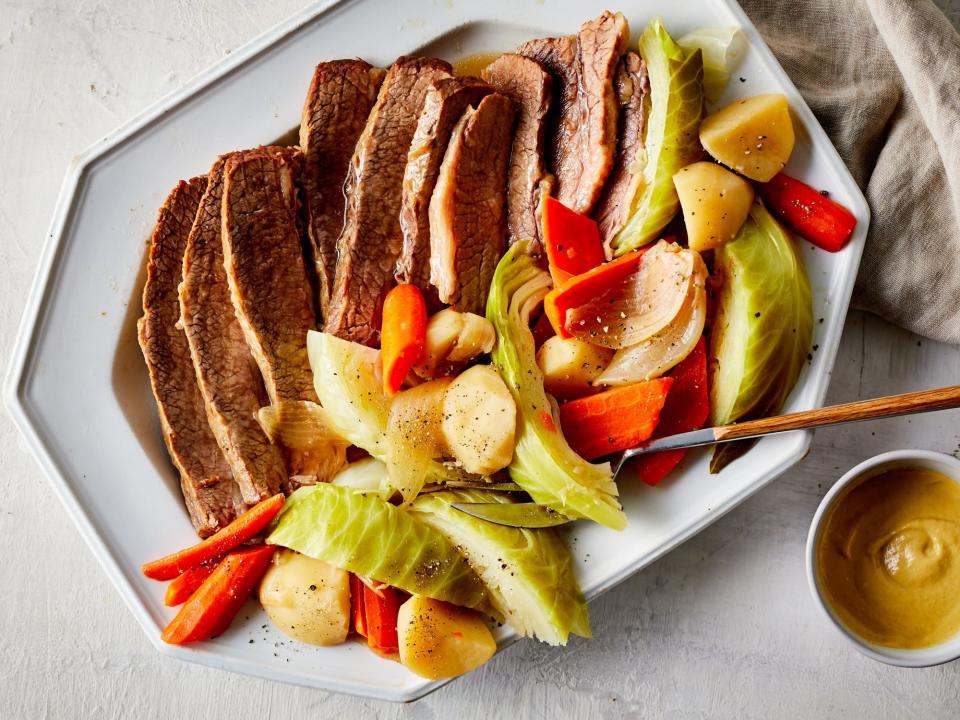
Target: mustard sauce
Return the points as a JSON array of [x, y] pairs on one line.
[[473, 64], [888, 558]]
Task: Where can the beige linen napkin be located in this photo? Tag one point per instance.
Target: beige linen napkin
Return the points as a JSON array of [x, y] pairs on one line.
[[883, 77]]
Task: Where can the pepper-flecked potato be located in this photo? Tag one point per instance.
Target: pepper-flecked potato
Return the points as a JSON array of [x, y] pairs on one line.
[[753, 136], [440, 640], [307, 599]]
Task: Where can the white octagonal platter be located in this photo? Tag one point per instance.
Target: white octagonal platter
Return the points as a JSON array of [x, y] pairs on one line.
[[77, 386]]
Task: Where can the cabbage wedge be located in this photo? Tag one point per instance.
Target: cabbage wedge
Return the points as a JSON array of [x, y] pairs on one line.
[[528, 573], [722, 49], [671, 138], [761, 334], [345, 380], [543, 463], [370, 537]]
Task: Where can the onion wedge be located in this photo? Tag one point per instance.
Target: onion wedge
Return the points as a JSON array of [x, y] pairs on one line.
[[657, 354]]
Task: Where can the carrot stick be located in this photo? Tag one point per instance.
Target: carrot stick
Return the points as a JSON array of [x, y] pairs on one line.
[[613, 420], [580, 288], [403, 334], [211, 609], [572, 241], [687, 408], [184, 585], [236, 533], [356, 605], [381, 617], [825, 223]]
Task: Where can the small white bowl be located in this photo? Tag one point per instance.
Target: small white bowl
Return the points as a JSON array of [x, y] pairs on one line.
[[924, 459]]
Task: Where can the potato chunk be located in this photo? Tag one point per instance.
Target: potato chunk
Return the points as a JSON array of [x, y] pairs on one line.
[[715, 203], [753, 136], [454, 337], [440, 640], [480, 420], [570, 366], [307, 599]]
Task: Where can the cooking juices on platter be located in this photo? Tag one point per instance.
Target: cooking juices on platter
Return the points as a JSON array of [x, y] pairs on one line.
[[473, 65], [888, 558]]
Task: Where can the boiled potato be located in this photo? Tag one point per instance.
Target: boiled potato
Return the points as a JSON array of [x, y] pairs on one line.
[[479, 420], [440, 640], [715, 203], [454, 337], [307, 599], [753, 136], [570, 366]]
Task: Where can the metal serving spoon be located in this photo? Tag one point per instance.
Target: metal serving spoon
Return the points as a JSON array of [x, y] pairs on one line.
[[890, 406]]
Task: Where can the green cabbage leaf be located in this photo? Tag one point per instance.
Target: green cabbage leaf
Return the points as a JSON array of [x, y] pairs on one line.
[[671, 137], [762, 330], [368, 536], [543, 463], [528, 573]]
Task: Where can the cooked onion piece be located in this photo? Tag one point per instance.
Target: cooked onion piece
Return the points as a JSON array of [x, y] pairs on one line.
[[642, 305], [658, 354], [298, 425]]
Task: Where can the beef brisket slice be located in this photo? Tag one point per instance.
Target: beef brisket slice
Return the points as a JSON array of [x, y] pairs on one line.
[[444, 105], [269, 285], [614, 207], [211, 495], [226, 372], [467, 210], [371, 241], [528, 85], [339, 100], [584, 128]]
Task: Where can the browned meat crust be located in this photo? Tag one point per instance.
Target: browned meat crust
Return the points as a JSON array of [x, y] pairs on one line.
[[443, 106], [467, 211], [526, 83], [614, 207], [370, 244], [226, 372], [339, 100], [584, 130], [211, 495], [268, 281]]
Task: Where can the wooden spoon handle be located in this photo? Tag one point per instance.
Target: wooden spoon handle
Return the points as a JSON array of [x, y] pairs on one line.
[[906, 404]]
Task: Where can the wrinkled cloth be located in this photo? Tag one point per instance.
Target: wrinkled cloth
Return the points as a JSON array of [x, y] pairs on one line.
[[883, 78]]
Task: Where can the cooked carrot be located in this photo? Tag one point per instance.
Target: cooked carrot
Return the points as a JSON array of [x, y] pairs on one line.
[[186, 584], [211, 609], [356, 605], [403, 334], [581, 288], [381, 609], [236, 533], [613, 420], [572, 241], [825, 223], [687, 408]]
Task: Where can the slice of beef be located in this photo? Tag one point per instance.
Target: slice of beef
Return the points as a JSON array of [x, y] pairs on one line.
[[467, 210], [584, 129], [444, 105], [614, 207], [211, 495], [528, 85], [228, 377], [269, 285], [371, 241], [339, 100]]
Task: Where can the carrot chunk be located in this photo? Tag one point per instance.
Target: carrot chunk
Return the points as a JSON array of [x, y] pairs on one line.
[[215, 604], [403, 334], [614, 420], [233, 535]]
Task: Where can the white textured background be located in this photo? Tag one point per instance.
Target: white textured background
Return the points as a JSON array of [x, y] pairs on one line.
[[722, 627]]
